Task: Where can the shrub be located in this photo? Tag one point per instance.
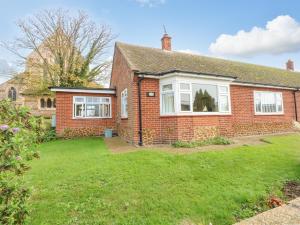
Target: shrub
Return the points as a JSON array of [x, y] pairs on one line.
[[18, 139], [192, 144], [49, 135]]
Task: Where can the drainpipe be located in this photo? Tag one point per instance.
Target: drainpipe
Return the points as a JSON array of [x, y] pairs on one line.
[[140, 111], [296, 107]]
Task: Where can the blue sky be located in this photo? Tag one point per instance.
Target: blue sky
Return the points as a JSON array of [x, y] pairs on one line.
[[193, 25]]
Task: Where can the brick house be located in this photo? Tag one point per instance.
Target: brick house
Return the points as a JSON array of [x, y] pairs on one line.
[[160, 96]]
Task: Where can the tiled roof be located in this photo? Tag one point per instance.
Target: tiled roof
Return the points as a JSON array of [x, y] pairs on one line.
[[157, 62]]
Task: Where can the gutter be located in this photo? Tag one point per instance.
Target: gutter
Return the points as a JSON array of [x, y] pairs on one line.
[[295, 104], [160, 74], [140, 110]]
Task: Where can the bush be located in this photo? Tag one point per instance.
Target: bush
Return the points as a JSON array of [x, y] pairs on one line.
[[49, 135], [19, 135], [192, 144]]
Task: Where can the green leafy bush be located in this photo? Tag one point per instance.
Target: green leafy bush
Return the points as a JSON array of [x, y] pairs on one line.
[[19, 136], [49, 135], [192, 144]]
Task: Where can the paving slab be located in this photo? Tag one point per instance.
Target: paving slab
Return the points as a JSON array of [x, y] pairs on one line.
[[288, 214]]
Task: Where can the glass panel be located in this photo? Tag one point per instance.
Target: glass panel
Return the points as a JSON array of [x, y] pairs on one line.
[[106, 110], [205, 98], [92, 110], [49, 103], [167, 87], [224, 103], [79, 99], [79, 110], [168, 103], [105, 100], [184, 86], [257, 102], [268, 102], [279, 102], [89, 99], [124, 106], [223, 89], [185, 102]]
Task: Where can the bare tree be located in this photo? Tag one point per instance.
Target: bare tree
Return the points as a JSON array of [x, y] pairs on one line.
[[68, 50]]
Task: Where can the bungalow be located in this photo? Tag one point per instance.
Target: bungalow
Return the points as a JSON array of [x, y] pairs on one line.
[[161, 96]]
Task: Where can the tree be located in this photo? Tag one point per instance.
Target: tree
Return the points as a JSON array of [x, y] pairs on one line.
[[68, 50]]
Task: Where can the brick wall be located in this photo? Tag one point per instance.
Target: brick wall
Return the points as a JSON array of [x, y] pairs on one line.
[[121, 78], [243, 121], [67, 126]]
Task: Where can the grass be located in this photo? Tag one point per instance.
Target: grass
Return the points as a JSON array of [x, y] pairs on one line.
[[81, 182], [192, 144]]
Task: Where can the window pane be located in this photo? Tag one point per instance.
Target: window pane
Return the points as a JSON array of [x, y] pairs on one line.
[[167, 87], [92, 110], [105, 100], [106, 110], [79, 110], [205, 98], [184, 86], [49, 103], [185, 102], [79, 99], [224, 103], [168, 103], [257, 102], [268, 102], [279, 102], [223, 89]]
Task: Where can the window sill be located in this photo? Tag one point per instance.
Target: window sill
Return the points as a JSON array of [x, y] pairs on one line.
[[195, 114], [90, 118], [124, 118], [269, 114]]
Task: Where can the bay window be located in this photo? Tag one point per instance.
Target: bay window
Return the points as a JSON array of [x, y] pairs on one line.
[[268, 102], [124, 104], [91, 107], [194, 97]]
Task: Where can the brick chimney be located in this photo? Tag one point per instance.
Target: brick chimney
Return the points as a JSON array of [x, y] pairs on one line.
[[290, 65], [166, 42]]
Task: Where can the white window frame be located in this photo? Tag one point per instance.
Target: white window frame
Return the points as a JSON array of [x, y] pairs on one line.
[[175, 81], [189, 92], [84, 103], [268, 113], [167, 92], [124, 107]]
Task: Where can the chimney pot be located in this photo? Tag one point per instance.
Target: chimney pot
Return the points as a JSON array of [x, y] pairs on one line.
[[290, 65], [166, 42]]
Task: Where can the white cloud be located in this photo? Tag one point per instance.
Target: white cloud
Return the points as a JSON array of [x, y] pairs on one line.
[[189, 51], [150, 3], [280, 35]]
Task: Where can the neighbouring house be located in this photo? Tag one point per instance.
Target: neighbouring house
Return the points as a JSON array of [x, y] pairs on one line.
[[161, 96]]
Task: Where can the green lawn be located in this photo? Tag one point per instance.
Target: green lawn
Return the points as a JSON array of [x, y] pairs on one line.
[[81, 182]]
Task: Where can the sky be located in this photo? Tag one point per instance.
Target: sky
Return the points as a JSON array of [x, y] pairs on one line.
[[258, 31]]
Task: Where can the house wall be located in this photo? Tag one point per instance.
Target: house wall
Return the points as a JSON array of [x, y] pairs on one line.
[[121, 78], [68, 127], [242, 121]]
